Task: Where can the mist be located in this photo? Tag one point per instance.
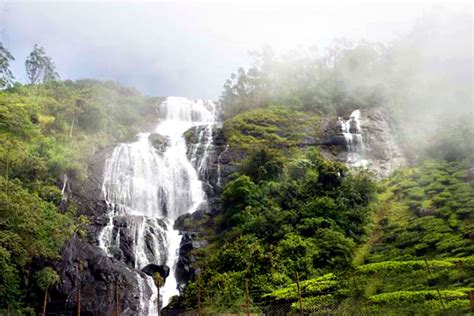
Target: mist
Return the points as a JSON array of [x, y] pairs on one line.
[[186, 49], [415, 59]]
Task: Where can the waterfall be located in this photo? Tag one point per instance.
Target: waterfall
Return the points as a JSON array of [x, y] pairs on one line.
[[147, 188], [352, 132]]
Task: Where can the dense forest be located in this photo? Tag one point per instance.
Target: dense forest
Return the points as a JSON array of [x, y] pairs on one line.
[[300, 230]]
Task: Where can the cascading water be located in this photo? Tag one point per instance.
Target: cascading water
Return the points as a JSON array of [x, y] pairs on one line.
[[147, 187], [352, 132]]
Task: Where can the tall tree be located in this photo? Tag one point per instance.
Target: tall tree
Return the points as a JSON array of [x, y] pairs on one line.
[[39, 66], [45, 279], [6, 76]]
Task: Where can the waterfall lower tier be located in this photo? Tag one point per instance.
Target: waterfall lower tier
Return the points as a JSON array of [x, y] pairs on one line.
[[147, 186]]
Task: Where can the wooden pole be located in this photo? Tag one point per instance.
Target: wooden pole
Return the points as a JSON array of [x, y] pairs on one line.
[[198, 289], [79, 302], [437, 289], [247, 308], [460, 268], [471, 299], [117, 312], [45, 301], [299, 293]]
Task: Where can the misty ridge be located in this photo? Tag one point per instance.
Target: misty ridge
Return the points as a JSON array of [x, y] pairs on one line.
[[424, 78]]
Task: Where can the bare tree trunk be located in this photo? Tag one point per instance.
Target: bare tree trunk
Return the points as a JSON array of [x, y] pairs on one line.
[[45, 302], [299, 293], [198, 284], [247, 307], [72, 127]]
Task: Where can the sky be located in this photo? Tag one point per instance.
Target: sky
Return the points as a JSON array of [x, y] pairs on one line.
[[186, 48]]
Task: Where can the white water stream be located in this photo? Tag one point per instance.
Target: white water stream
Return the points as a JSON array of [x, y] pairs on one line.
[[352, 132], [148, 189]]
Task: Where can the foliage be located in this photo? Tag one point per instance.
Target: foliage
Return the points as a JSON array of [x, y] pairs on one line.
[[437, 198], [307, 81], [275, 127], [39, 66], [276, 223], [6, 76], [46, 131], [46, 278], [158, 279]]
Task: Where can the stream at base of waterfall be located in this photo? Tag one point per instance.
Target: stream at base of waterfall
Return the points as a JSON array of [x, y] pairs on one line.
[[147, 185]]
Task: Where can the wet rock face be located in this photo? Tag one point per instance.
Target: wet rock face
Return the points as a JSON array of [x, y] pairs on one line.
[[219, 162], [124, 233], [86, 268], [380, 136], [184, 267], [159, 141], [83, 264], [379, 152]]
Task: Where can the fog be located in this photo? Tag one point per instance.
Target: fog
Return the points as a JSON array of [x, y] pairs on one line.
[[186, 49]]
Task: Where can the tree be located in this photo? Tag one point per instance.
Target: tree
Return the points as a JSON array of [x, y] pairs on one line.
[[45, 279], [159, 282], [6, 76], [263, 165], [40, 67]]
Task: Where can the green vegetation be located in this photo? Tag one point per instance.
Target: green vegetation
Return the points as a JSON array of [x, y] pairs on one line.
[[40, 67], [322, 84], [358, 246], [276, 127], [6, 76], [283, 213], [431, 213], [47, 131]]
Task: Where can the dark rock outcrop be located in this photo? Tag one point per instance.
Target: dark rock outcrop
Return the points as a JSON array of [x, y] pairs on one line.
[[159, 141], [184, 268], [151, 269], [87, 268]]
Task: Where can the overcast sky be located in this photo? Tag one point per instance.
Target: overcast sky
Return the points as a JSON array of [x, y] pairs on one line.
[[185, 49]]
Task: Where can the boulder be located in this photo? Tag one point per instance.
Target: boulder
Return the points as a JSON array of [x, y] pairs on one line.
[[151, 269]]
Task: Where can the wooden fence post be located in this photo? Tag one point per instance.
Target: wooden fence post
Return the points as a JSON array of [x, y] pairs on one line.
[[299, 293], [247, 307], [437, 289], [198, 289], [471, 299]]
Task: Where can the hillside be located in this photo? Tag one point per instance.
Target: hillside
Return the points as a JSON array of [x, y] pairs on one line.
[[385, 246], [48, 134]]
